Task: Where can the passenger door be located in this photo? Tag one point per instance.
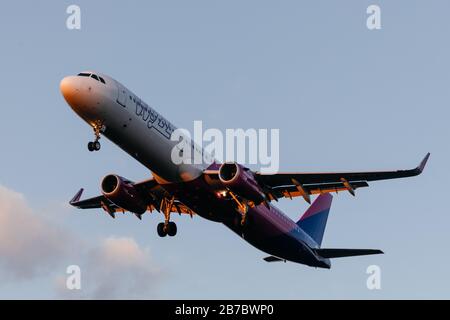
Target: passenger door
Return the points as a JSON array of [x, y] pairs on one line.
[[122, 95]]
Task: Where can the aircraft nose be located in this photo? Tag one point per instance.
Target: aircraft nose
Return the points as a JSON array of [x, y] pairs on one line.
[[70, 88]]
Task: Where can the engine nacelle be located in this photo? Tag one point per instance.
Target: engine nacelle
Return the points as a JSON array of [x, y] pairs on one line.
[[123, 193], [240, 180]]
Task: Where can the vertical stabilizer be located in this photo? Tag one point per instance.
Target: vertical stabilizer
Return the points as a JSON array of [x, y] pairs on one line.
[[314, 220]]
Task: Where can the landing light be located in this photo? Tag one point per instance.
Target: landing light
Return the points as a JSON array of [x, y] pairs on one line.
[[221, 194]]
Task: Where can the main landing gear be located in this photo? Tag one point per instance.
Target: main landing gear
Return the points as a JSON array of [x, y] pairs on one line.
[[242, 207], [167, 227], [95, 145], [170, 229]]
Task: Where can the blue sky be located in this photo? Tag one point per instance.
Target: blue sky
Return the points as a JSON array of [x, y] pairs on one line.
[[343, 97]]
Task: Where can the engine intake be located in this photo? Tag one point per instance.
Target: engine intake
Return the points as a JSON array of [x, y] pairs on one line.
[[240, 180], [123, 193]]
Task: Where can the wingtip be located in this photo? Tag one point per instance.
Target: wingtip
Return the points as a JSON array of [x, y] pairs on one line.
[[422, 165], [77, 197]]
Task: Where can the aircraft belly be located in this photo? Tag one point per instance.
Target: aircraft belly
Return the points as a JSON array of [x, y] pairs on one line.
[[264, 229]]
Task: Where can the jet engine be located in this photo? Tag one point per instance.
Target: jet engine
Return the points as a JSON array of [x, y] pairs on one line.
[[240, 180], [123, 193]]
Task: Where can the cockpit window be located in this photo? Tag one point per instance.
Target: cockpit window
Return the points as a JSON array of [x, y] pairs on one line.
[[93, 76]]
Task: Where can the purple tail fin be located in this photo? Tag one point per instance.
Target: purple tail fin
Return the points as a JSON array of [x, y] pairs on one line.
[[314, 220]]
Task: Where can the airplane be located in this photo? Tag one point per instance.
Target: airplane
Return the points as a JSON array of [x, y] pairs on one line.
[[228, 193]]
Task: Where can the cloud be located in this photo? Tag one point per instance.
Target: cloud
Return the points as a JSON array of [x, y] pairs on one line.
[[119, 268], [29, 244], [34, 248]]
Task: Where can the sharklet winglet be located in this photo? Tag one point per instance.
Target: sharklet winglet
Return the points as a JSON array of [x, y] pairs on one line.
[[423, 163], [77, 197]]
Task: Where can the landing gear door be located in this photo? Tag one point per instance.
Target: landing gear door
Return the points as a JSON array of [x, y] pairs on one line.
[[122, 95]]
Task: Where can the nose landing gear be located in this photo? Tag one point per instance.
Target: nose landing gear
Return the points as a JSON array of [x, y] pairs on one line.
[[95, 145]]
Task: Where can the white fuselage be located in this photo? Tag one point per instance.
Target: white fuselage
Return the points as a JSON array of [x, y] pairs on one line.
[[131, 124]]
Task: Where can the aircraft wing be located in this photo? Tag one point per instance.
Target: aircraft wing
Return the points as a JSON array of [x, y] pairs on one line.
[[91, 203], [154, 192], [304, 184]]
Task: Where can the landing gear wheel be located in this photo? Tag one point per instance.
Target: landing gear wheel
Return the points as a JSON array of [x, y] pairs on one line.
[[91, 146], [172, 229], [161, 232], [97, 145]]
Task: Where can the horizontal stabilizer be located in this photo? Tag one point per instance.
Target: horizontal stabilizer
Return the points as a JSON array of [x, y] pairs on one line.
[[273, 259], [341, 253]]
